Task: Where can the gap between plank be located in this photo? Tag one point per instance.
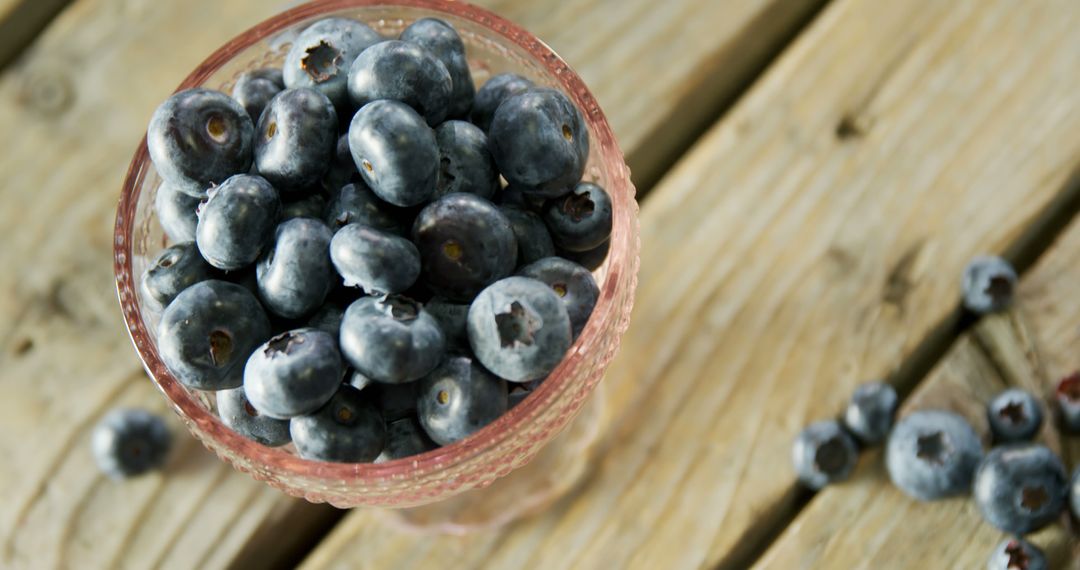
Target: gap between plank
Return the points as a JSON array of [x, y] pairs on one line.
[[22, 24]]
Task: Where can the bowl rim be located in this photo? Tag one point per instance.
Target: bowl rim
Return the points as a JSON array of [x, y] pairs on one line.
[[624, 226]]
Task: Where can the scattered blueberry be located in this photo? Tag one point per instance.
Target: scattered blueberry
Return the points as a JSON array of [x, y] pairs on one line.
[[1020, 488], [869, 415], [824, 454], [395, 152], [533, 240], [254, 89], [465, 163], [294, 274], [377, 261], [129, 442], [581, 220], [453, 319], [551, 158], [1067, 396], [933, 454], [199, 137], [465, 244], [391, 339], [327, 318], [493, 93], [404, 438], [355, 203], [240, 416], [174, 269], [1016, 554], [237, 221], [519, 329], [207, 333], [404, 72], [176, 212], [1014, 415], [571, 282], [458, 398], [443, 41], [295, 139], [321, 55], [395, 401], [293, 373], [591, 260], [988, 284], [310, 206], [347, 429]]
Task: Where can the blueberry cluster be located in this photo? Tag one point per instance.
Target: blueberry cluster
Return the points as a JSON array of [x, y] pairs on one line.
[[372, 257]]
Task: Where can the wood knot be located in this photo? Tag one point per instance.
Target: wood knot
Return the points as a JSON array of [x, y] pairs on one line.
[[46, 91]]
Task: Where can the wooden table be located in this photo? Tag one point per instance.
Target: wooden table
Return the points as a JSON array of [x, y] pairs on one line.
[[814, 175]]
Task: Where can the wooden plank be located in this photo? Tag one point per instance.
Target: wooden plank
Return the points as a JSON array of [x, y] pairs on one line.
[[808, 243], [77, 104], [21, 21]]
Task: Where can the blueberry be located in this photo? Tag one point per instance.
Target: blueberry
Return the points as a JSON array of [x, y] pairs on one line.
[[395, 401], [465, 244], [591, 260], [342, 169], [377, 261], [443, 41], [404, 438], [310, 206], [453, 319], [254, 89], [293, 373], [493, 93], [869, 415], [519, 329], [458, 398], [405, 72], [355, 203], [1020, 488], [129, 442], [512, 196], [237, 221], [571, 282], [347, 429], [327, 318], [1074, 493], [395, 151], [581, 220], [1067, 396], [1014, 415], [391, 339], [174, 269], [539, 142], [296, 138], [294, 274], [465, 163], [240, 416], [533, 240], [933, 454], [199, 137], [1016, 554], [321, 55], [519, 391], [824, 454], [988, 284], [207, 333], [176, 212]]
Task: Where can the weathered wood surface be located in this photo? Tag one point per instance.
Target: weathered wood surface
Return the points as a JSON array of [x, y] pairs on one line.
[[808, 243], [73, 109]]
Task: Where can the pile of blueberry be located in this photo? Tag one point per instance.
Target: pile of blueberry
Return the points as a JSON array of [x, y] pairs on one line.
[[372, 258], [1019, 486]]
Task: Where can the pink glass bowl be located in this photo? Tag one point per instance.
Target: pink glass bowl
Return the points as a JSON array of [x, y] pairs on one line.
[[494, 45]]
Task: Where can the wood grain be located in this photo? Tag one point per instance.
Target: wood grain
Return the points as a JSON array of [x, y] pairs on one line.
[[21, 21], [808, 243], [74, 108]]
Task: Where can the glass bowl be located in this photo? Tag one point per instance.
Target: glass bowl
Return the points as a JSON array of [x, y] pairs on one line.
[[494, 45]]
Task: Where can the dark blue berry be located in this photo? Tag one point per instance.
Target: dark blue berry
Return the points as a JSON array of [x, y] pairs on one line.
[[458, 398], [465, 163], [453, 319], [395, 401], [512, 196], [295, 139], [129, 442], [310, 206], [1021, 488], [591, 260], [443, 41], [174, 269], [294, 274], [404, 438], [571, 282], [405, 72], [1014, 415], [293, 373], [988, 284], [199, 137], [395, 152], [493, 93], [824, 454], [348, 429], [207, 333], [377, 261], [533, 240], [176, 212], [391, 339], [355, 203], [581, 220], [465, 244], [237, 221], [1016, 554], [933, 454], [327, 318], [254, 89], [321, 55], [869, 415], [1067, 396], [519, 329], [539, 142], [240, 416]]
